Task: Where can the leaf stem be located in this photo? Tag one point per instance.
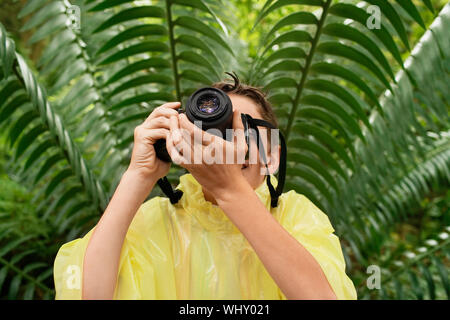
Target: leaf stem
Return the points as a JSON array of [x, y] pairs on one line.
[[172, 50], [308, 62], [25, 275]]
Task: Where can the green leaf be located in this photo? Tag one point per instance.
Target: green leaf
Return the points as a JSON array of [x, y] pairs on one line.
[[318, 150], [49, 163], [293, 19], [29, 7], [347, 32], [281, 3], [325, 138], [352, 12], [12, 106], [143, 47], [7, 52], [341, 50], [197, 25], [443, 273], [47, 12], [20, 125], [108, 4], [311, 177], [297, 36], [282, 82], [412, 11], [285, 65], [52, 26], [38, 152], [131, 33], [341, 93], [133, 83], [314, 164], [323, 116], [284, 53], [195, 76], [429, 5], [339, 71], [14, 287], [132, 14], [195, 42], [157, 63], [28, 138], [63, 174], [389, 11], [197, 59], [146, 97], [429, 280], [201, 5]]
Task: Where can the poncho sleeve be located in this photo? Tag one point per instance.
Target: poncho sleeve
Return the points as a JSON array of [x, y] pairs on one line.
[[145, 269], [312, 228]]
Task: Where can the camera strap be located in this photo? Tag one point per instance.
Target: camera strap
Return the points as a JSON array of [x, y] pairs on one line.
[[166, 187], [249, 123], [252, 123]]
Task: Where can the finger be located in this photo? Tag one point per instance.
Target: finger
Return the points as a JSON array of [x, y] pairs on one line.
[[158, 122], [167, 110], [173, 152], [190, 131], [192, 135], [176, 151], [151, 135], [185, 150], [197, 135], [237, 120], [186, 124], [156, 134], [238, 127], [175, 129]]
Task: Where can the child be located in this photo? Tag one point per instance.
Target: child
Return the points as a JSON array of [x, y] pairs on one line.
[[222, 240]]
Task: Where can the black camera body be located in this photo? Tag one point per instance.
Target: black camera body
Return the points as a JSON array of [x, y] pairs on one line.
[[211, 107]]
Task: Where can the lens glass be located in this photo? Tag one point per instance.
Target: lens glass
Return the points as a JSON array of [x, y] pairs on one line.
[[208, 103]]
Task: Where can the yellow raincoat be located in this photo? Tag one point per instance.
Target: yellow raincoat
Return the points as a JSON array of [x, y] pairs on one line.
[[192, 250]]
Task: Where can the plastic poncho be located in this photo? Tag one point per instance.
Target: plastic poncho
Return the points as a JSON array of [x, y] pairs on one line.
[[192, 250]]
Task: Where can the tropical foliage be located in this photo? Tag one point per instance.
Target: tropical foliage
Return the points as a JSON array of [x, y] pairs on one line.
[[364, 108]]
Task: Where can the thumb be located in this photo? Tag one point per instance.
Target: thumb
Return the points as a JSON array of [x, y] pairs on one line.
[[237, 120]]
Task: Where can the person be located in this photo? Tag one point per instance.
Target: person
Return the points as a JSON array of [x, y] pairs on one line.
[[222, 240]]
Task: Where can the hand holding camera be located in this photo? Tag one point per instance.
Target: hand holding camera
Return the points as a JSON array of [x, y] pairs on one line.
[[144, 160]]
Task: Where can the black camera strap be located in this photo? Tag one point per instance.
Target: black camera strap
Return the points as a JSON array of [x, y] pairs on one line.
[[248, 122], [166, 187]]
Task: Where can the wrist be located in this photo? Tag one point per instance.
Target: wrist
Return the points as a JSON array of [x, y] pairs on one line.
[[238, 188], [145, 181]]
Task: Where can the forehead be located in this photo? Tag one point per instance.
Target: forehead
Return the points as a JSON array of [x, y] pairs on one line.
[[245, 105]]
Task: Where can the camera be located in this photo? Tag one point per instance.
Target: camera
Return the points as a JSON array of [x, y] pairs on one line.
[[211, 107]]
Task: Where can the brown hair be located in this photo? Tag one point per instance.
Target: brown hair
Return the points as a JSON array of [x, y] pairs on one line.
[[254, 93]]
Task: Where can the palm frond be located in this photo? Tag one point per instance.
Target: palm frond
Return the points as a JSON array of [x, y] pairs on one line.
[[36, 126]]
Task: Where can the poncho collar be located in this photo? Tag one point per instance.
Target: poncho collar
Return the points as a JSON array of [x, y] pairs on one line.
[[211, 216]]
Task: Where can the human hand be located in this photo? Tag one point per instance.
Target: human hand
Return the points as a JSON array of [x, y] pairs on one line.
[[214, 162]]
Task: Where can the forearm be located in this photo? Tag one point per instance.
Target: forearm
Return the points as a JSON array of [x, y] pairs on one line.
[[292, 267], [101, 260]]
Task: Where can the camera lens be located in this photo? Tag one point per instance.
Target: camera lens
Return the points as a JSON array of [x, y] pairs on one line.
[[208, 108], [208, 103]]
